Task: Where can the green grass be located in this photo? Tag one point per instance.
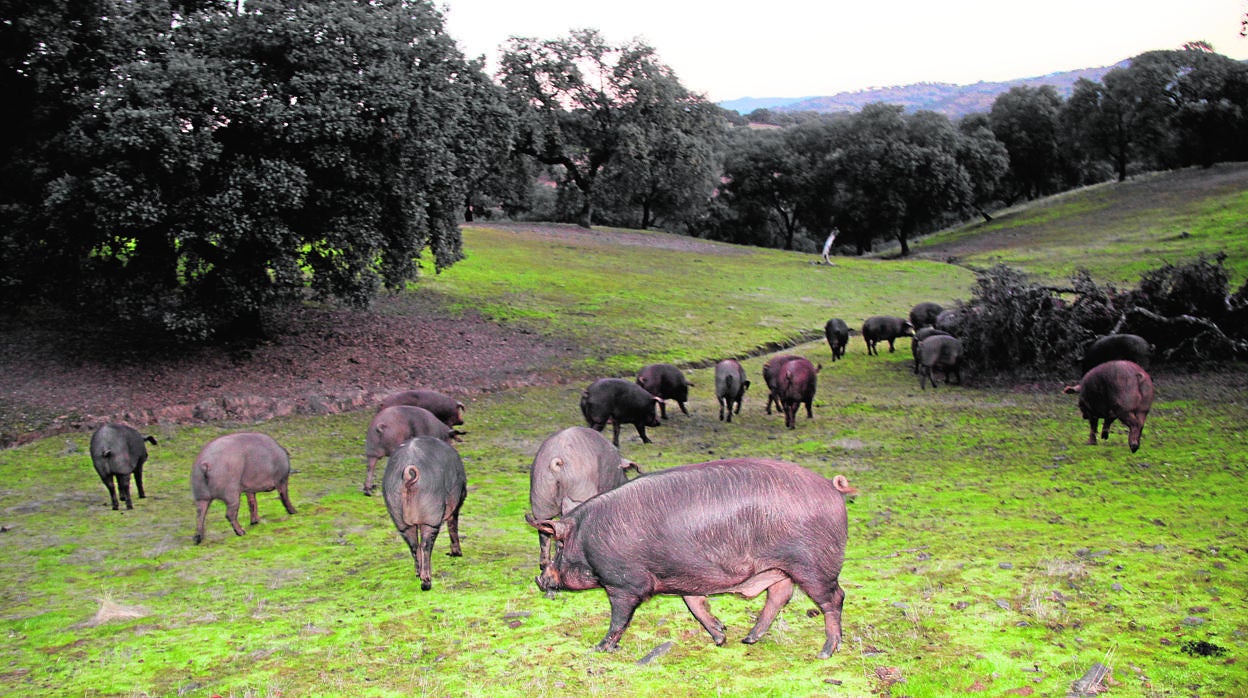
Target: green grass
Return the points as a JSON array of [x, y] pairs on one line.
[[990, 549]]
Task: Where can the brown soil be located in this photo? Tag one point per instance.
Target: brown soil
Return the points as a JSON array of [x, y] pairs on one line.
[[56, 376]]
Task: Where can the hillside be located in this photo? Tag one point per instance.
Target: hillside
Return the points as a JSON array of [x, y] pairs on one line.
[[952, 100]]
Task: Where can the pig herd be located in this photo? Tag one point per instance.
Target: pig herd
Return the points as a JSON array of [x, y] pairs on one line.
[[744, 525]]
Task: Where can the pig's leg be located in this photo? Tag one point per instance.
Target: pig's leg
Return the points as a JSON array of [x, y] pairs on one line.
[[201, 508], [809, 413], [641, 431], [623, 603], [721, 410], [1105, 428], [283, 491], [138, 480], [1092, 422], [778, 595], [829, 597], [231, 514], [368, 477], [452, 529], [663, 409], [701, 609], [112, 492], [252, 508], [412, 536], [429, 535], [682, 407], [123, 488]]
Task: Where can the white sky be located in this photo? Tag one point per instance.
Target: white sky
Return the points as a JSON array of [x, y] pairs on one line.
[[798, 48]]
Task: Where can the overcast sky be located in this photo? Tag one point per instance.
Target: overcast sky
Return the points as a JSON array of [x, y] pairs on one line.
[[797, 48]]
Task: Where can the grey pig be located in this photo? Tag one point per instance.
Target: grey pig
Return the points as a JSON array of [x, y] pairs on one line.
[[424, 486], [730, 387], [117, 451], [394, 425], [939, 352], [447, 409], [234, 464]]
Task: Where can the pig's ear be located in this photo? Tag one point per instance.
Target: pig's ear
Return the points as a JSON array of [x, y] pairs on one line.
[[625, 464], [556, 464], [559, 528], [1071, 389]]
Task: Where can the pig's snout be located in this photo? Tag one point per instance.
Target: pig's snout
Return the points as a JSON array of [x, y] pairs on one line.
[[548, 580]]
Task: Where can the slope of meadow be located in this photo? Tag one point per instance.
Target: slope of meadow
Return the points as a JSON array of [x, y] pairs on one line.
[[990, 549]]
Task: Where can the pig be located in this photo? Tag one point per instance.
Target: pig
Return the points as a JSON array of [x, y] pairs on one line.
[[919, 337], [795, 385], [730, 387], [924, 314], [424, 486], [447, 409], [394, 425], [837, 334], [241, 463], [666, 382], [1119, 390], [618, 401], [939, 352], [117, 452], [1126, 347], [949, 320], [571, 466], [771, 373], [739, 526], [884, 328]]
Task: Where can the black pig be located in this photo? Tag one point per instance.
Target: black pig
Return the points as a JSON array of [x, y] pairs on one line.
[[884, 328], [924, 314], [837, 334], [619, 401], [117, 452], [665, 382], [1117, 347], [732, 526]]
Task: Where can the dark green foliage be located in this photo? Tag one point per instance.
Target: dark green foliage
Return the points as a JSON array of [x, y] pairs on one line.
[[1197, 288]]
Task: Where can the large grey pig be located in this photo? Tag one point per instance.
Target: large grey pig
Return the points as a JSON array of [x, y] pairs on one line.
[[665, 382], [880, 328], [236, 464], [571, 466], [1119, 390], [771, 372], [447, 409], [619, 401], [942, 353], [924, 314], [837, 334], [117, 452], [731, 526], [394, 425], [919, 337], [1116, 347], [424, 486], [796, 382], [730, 387]]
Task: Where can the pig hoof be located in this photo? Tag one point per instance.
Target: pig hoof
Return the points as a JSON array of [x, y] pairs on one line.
[[368, 491], [199, 539], [425, 586], [551, 594], [455, 553]]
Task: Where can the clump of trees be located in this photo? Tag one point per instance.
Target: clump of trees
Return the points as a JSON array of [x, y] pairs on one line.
[[1186, 311]]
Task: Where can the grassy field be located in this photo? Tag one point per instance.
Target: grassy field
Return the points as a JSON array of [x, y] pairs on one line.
[[991, 551]]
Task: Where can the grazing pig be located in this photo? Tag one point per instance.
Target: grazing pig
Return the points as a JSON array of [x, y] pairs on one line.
[[117, 452], [424, 486], [731, 526], [942, 353], [795, 385], [771, 374], [665, 382], [730, 387], [234, 464], [837, 334], [394, 425], [571, 466], [949, 320], [618, 401], [1114, 347], [924, 314], [884, 328], [919, 337], [447, 409], [1119, 390]]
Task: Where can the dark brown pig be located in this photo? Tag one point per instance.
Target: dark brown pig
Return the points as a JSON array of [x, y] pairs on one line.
[[619, 401], [665, 382], [1117, 347], [771, 372], [919, 337], [837, 334], [117, 452], [424, 486], [571, 466], [1115, 390], [795, 385], [237, 464], [924, 314], [883, 328], [730, 387], [732, 526], [394, 425], [447, 409], [939, 352]]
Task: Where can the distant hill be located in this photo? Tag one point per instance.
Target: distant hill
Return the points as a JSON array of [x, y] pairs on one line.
[[952, 100]]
